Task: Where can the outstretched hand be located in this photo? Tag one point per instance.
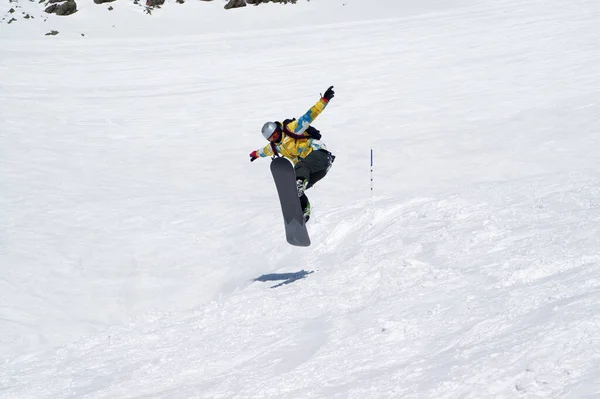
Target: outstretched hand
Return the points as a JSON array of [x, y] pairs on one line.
[[253, 156], [329, 93]]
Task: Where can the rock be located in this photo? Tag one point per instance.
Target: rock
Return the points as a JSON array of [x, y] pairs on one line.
[[52, 33], [235, 4], [103, 1], [67, 8], [257, 2], [243, 3]]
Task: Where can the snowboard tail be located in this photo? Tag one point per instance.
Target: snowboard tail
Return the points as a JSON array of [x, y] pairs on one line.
[[285, 181]]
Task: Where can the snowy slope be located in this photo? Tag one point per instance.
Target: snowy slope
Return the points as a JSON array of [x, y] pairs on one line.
[[134, 224], [126, 19]]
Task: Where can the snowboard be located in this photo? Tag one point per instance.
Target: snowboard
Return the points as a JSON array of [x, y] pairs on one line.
[[285, 181]]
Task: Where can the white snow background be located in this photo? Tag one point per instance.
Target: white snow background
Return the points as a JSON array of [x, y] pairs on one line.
[[132, 224]]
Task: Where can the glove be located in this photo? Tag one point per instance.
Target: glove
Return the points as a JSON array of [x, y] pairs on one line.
[[254, 156], [329, 93]]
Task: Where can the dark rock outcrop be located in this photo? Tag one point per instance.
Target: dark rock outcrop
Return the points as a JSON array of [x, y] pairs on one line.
[[235, 4], [257, 2], [243, 3], [154, 3], [66, 8]]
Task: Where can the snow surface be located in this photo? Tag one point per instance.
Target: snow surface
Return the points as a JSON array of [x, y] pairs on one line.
[[132, 225]]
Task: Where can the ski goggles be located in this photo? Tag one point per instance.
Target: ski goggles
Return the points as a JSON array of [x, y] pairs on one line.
[[275, 136]]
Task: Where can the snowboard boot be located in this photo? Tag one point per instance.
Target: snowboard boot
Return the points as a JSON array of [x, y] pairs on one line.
[[306, 213], [305, 207], [301, 186]]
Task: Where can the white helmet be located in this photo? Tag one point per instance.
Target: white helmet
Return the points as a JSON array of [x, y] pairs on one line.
[[268, 129]]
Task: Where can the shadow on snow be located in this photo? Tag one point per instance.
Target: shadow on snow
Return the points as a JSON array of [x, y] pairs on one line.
[[287, 277]]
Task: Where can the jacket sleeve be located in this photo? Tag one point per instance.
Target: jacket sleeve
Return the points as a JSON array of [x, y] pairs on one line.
[[266, 151], [300, 125]]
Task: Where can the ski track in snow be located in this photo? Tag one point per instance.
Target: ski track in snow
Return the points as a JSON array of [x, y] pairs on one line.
[[135, 223]]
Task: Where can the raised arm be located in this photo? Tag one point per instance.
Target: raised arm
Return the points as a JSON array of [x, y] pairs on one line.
[[300, 125]]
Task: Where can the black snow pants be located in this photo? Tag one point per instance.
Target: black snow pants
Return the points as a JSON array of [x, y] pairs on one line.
[[313, 168]]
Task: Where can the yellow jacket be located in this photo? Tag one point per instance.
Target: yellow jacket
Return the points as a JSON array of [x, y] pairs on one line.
[[296, 148]]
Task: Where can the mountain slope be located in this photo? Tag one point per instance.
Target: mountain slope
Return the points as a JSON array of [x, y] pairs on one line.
[[136, 225]]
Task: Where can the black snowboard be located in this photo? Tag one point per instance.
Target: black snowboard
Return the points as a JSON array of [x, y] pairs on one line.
[[285, 181]]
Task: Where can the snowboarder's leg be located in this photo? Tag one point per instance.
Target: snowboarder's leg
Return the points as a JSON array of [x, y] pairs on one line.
[[305, 207], [301, 185], [310, 170], [315, 177], [314, 167]]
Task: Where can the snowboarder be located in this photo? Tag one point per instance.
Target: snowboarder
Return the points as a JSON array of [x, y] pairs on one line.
[[299, 142]]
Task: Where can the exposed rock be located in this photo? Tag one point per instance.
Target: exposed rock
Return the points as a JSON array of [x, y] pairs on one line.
[[243, 3], [103, 1], [230, 4], [67, 8], [257, 2], [52, 33], [235, 4]]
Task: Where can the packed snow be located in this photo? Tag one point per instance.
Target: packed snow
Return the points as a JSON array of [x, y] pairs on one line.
[[143, 256]]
